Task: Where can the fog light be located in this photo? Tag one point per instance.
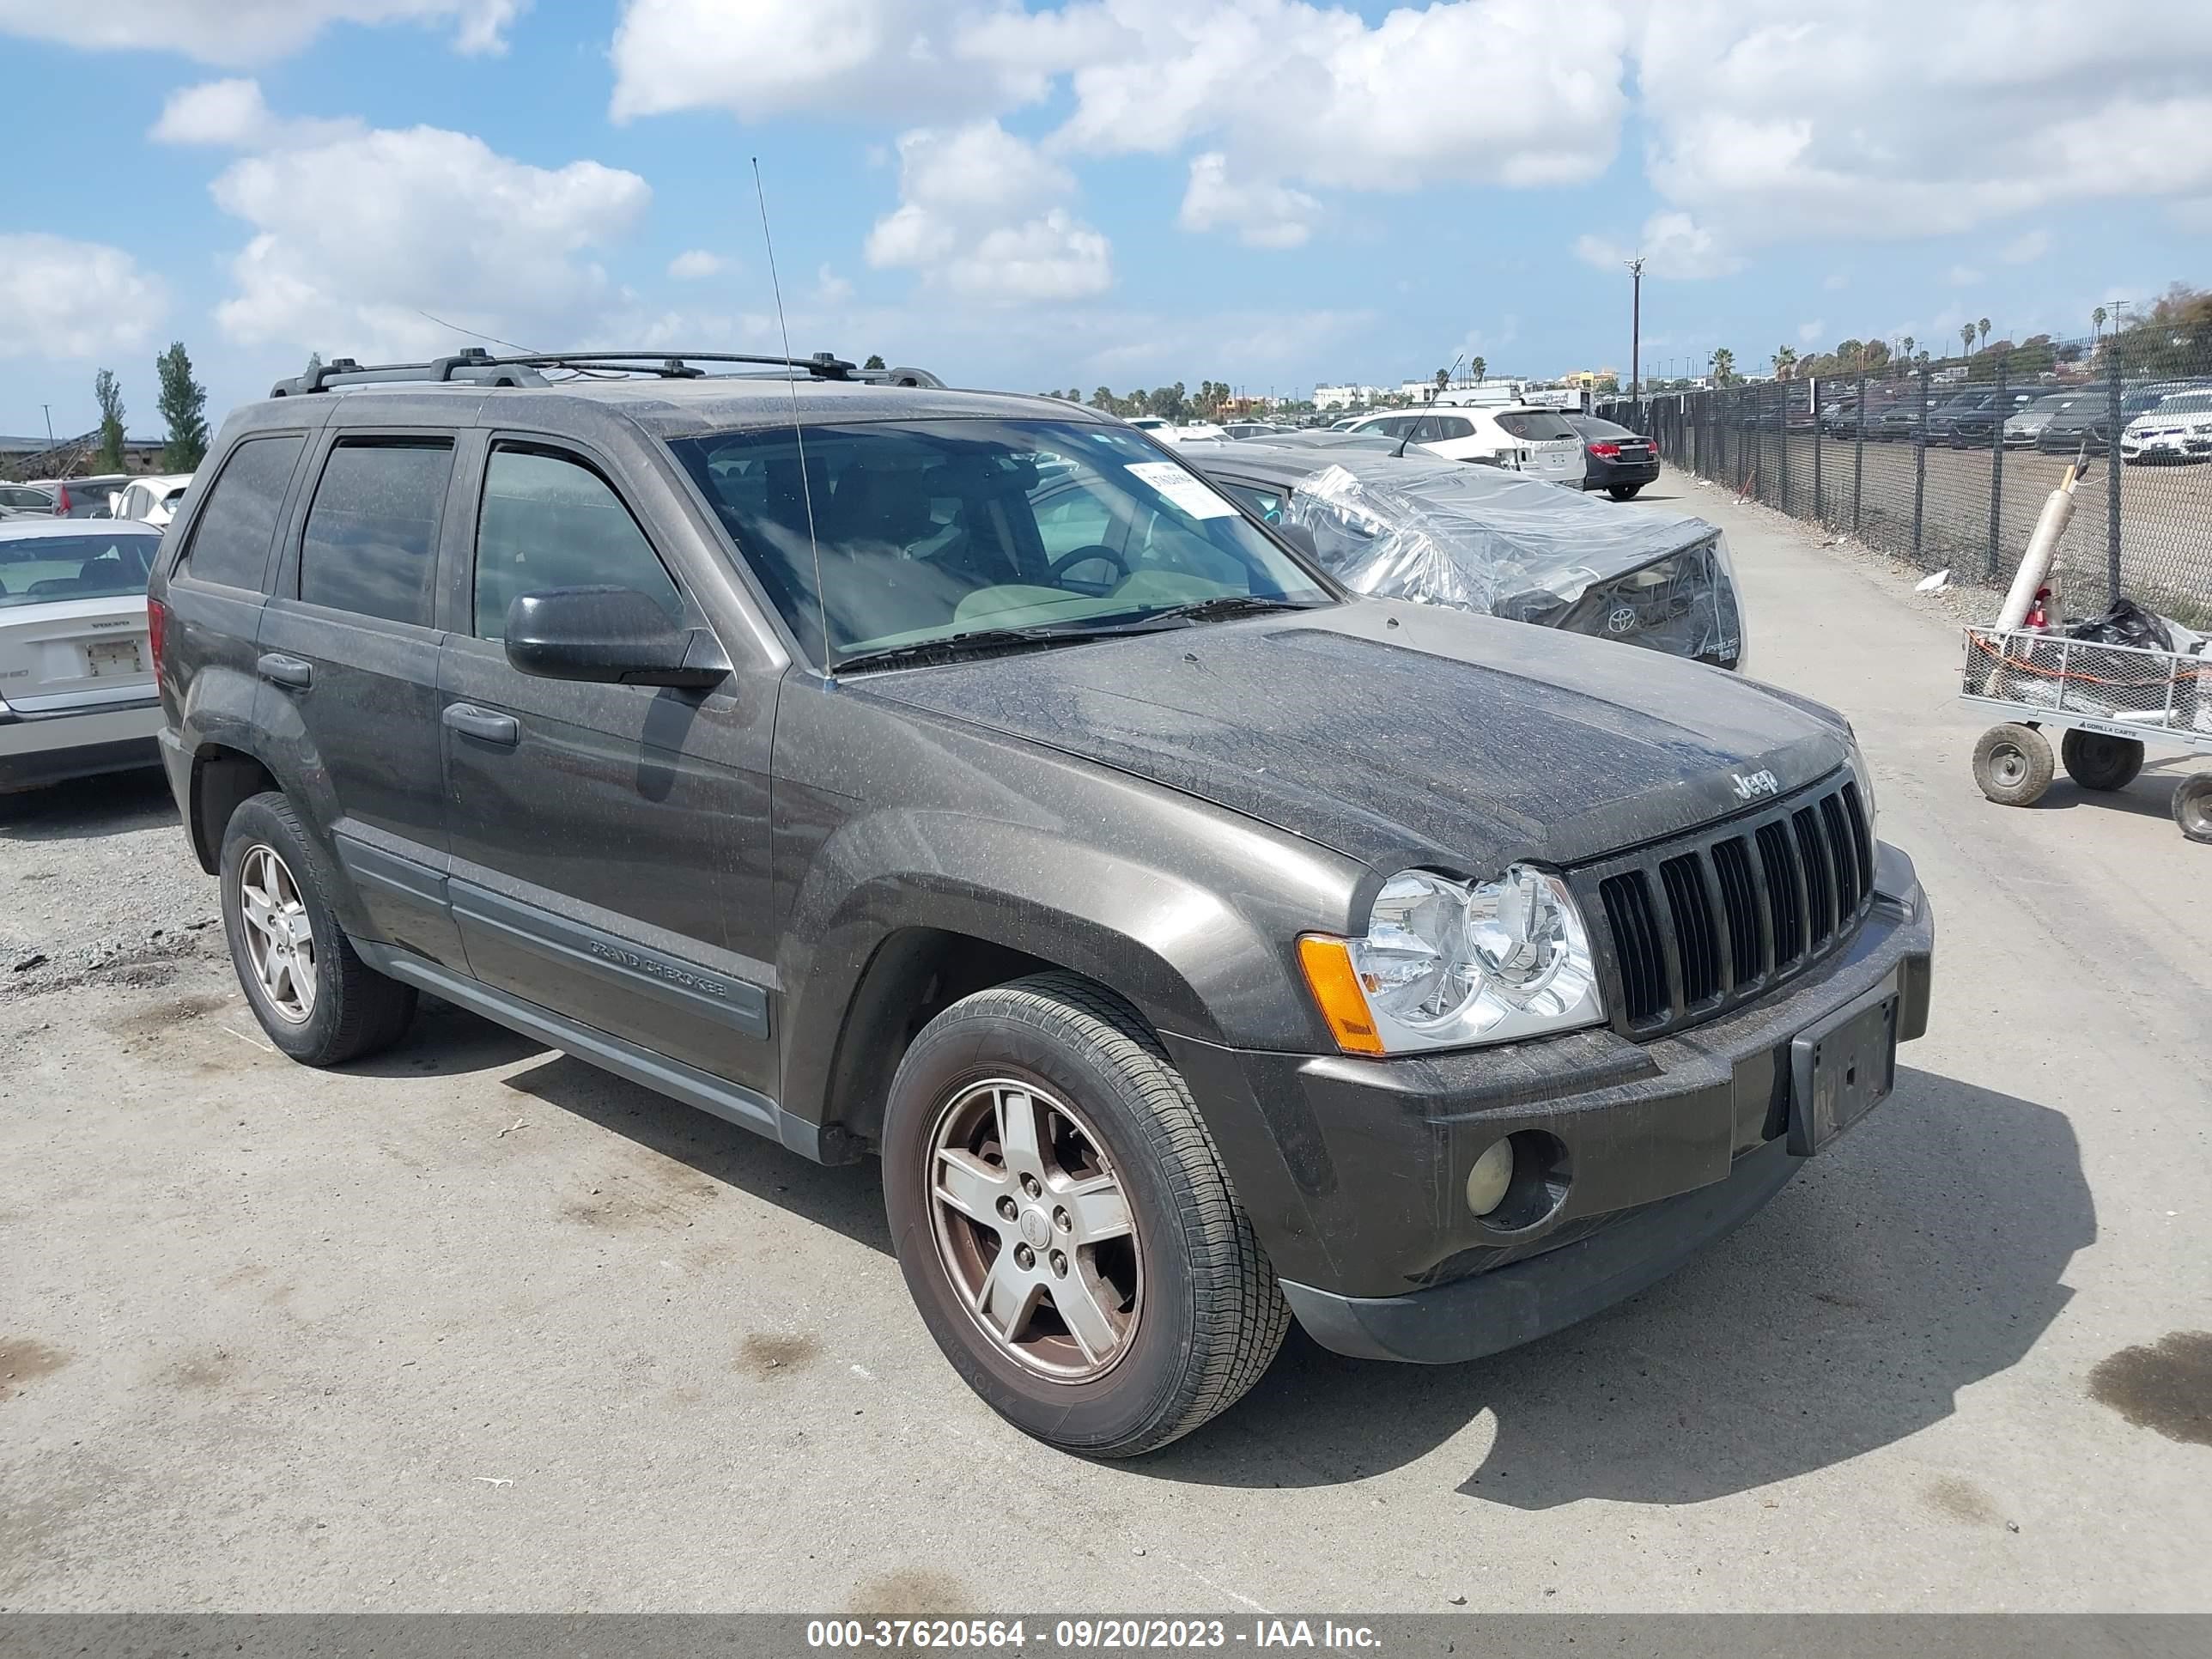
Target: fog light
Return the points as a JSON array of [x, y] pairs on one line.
[[1487, 1181]]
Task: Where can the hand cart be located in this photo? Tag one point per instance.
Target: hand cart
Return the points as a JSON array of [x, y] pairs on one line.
[[2110, 700]]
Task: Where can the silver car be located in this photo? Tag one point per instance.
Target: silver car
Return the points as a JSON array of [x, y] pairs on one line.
[[76, 669]]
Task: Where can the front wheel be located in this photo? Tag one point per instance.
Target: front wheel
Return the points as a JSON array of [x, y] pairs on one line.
[[2013, 763], [2096, 761], [1064, 1223], [2192, 807]]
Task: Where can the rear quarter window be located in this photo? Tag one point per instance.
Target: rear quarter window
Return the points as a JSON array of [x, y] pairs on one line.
[[237, 523], [1535, 427]]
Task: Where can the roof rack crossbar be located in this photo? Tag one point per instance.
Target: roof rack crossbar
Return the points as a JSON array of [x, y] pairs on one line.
[[476, 365]]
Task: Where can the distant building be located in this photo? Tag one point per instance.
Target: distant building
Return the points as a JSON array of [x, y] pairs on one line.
[[72, 457], [1342, 397]]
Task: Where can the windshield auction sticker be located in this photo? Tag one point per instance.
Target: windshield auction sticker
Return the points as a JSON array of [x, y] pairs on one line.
[[1189, 494]]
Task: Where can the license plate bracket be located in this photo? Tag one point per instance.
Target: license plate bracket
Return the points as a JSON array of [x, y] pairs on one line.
[[1842, 1068], [114, 657]]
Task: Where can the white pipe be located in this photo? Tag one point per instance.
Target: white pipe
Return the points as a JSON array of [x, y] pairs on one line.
[[2042, 549]]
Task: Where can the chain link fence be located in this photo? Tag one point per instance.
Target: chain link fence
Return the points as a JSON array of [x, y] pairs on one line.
[[1948, 464]]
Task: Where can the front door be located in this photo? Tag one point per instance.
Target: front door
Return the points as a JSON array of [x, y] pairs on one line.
[[609, 841]]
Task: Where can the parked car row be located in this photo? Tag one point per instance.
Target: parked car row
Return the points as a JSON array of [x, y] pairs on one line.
[[148, 498]]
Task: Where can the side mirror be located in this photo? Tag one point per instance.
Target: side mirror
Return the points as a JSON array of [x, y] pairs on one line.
[[609, 636]]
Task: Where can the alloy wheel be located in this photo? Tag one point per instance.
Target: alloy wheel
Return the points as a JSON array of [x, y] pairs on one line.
[[280, 940], [1034, 1230]]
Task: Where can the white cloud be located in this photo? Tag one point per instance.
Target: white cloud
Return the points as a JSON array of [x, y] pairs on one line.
[[1484, 91], [830, 289], [233, 115], [2026, 249], [246, 31], [695, 265], [354, 238], [1264, 213], [983, 212], [1811, 331], [1962, 276], [1770, 123], [1672, 244], [1836, 282], [64, 299]]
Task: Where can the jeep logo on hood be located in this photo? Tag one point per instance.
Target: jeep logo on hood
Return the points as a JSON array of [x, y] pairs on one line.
[[1750, 786]]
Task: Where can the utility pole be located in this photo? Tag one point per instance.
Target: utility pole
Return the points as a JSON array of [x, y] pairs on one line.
[[1636, 338]]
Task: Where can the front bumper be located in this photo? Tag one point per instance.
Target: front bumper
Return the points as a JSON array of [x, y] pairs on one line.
[[1663, 1147]]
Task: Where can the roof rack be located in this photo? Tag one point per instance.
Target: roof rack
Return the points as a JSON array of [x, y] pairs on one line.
[[474, 366]]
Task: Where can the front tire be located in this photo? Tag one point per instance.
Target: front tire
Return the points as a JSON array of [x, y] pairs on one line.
[[1064, 1226], [2013, 764], [2192, 807], [317, 999]]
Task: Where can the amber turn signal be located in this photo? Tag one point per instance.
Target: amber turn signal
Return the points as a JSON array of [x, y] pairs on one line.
[[1336, 992]]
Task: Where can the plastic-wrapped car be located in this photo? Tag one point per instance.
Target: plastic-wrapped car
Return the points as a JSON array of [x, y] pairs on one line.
[[1477, 538]]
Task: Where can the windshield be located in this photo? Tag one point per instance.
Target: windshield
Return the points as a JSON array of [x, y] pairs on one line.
[[2186, 402], [933, 530], [46, 569]]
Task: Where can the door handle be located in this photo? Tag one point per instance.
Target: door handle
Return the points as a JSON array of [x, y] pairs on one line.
[[483, 725], [280, 670]]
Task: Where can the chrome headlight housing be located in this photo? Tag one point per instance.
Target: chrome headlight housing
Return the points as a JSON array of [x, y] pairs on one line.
[[1448, 964]]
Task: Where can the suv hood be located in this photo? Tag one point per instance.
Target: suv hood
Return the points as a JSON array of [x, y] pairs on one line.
[[1400, 734]]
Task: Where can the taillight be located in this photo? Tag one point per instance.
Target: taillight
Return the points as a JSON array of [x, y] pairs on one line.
[[157, 622], [1606, 451]]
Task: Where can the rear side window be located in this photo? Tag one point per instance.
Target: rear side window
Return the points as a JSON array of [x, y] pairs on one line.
[[231, 537], [550, 521], [371, 545], [1445, 427], [1534, 425]]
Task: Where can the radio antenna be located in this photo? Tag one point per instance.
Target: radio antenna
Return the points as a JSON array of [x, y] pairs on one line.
[[798, 428]]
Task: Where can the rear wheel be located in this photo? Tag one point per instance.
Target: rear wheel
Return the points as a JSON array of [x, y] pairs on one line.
[[1623, 492], [2096, 761], [1064, 1223], [2192, 807], [314, 996], [2013, 764]]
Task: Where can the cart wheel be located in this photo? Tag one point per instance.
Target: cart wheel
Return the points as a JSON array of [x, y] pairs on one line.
[[2013, 764], [2096, 761], [2192, 805]]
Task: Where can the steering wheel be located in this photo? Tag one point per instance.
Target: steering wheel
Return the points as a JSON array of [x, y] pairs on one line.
[[1082, 556]]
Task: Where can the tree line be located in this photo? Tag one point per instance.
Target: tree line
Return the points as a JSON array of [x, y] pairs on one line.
[[181, 400]]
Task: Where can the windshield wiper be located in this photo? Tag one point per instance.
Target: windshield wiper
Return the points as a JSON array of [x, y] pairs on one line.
[[978, 641], [1223, 606]]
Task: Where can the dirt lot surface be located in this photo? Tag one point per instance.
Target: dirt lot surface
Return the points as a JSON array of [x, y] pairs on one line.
[[476, 1327]]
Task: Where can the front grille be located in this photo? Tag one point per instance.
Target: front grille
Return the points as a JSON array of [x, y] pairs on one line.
[[1697, 925]]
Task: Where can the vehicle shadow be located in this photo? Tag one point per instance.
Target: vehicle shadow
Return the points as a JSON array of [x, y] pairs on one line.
[[85, 809], [446, 1041], [1924, 1254], [847, 1198], [2150, 796]]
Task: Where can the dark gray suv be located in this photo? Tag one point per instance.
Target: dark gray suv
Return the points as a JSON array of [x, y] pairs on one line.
[[959, 777]]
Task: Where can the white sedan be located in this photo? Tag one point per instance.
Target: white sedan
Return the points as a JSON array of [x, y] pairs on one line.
[[2179, 429], [77, 672], [152, 500], [1538, 441]]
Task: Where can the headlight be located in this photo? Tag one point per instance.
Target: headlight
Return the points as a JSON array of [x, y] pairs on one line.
[[1446, 964], [1864, 773]]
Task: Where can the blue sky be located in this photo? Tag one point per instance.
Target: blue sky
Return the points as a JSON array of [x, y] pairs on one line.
[[1122, 192]]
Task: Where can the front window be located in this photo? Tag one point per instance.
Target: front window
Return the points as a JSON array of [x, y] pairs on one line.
[[930, 535], [47, 569]]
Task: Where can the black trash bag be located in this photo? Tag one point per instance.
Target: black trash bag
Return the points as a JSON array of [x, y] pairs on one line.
[[2125, 623]]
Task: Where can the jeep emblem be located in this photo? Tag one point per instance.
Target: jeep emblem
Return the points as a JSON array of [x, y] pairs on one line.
[[1749, 786]]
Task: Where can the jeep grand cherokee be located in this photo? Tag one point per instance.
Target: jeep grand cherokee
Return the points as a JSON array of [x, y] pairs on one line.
[[1200, 947]]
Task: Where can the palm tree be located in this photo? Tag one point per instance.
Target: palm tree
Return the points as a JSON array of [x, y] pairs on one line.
[[1966, 338], [1982, 329], [1786, 359], [1724, 362], [1477, 367], [1908, 345], [2096, 323]]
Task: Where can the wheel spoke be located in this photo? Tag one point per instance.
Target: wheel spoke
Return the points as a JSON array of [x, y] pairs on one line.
[[1017, 1132], [274, 976], [260, 912], [1077, 1298], [1007, 1297], [1097, 1208], [971, 1186]]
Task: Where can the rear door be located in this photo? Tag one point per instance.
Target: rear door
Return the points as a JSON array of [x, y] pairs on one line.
[[350, 651], [1555, 449]]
